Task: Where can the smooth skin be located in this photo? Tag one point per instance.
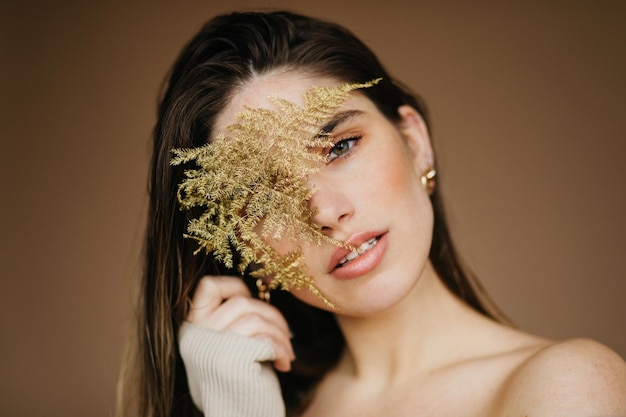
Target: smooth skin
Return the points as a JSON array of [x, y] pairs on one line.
[[412, 347]]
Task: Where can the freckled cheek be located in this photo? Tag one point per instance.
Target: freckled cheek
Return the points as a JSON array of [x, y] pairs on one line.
[[391, 178], [398, 182]]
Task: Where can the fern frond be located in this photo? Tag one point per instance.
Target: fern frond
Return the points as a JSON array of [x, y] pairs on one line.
[[253, 181]]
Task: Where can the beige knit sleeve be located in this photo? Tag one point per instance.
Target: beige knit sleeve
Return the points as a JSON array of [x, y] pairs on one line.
[[229, 375]]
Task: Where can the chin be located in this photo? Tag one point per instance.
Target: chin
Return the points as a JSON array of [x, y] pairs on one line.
[[365, 299], [376, 302]]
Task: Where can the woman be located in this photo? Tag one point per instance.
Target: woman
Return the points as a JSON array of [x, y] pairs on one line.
[[391, 322]]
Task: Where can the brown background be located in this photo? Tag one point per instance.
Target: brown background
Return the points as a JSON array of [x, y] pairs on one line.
[[527, 103]]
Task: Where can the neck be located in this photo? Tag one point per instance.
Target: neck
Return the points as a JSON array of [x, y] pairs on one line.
[[421, 333]]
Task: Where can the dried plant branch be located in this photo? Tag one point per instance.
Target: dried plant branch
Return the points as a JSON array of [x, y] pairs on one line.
[[253, 183]]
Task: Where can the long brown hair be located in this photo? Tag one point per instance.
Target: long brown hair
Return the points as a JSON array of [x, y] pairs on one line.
[[227, 52]]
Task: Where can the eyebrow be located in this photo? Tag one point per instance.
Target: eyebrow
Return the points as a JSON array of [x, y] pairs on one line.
[[338, 119]]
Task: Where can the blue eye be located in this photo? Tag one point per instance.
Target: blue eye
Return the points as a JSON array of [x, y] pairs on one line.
[[342, 147]]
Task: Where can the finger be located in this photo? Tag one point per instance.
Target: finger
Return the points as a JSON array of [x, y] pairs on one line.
[[283, 361], [252, 325], [211, 291], [237, 306], [284, 352]]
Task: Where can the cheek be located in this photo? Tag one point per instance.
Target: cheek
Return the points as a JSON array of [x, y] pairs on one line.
[[400, 179], [394, 176]]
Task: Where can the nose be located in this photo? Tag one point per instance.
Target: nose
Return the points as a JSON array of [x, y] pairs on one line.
[[333, 206]]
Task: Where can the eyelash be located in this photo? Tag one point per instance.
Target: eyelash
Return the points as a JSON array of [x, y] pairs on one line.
[[350, 141]]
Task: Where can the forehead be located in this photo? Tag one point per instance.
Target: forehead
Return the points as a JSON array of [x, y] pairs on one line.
[[258, 92]]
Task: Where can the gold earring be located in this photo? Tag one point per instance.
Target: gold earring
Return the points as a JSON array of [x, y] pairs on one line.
[[428, 180], [264, 291]]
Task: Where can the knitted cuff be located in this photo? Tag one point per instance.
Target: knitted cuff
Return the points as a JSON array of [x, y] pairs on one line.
[[229, 375]]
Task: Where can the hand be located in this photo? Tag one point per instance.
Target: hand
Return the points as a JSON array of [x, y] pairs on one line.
[[223, 303]]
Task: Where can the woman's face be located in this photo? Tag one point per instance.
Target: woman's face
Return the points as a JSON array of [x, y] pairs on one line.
[[369, 194]]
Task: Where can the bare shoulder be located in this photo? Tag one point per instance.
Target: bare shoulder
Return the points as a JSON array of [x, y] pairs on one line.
[[575, 377]]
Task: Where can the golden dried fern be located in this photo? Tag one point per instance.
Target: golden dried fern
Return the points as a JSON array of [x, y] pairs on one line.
[[253, 182]]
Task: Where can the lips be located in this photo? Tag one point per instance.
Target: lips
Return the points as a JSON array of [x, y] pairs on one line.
[[369, 249], [364, 247]]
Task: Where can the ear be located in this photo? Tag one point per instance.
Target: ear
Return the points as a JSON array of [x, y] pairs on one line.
[[413, 128]]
